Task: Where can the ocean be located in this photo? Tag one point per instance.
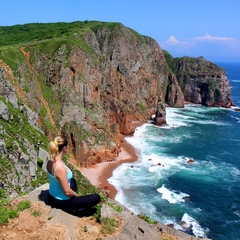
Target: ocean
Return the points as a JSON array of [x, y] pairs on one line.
[[202, 197]]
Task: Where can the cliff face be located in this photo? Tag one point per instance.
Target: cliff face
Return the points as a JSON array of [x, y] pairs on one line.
[[102, 80], [203, 82]]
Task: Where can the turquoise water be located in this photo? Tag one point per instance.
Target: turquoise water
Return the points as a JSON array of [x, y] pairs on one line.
[[205, 194]]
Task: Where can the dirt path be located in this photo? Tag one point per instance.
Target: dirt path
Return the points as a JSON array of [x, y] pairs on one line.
[[45, 103], [10, 77]]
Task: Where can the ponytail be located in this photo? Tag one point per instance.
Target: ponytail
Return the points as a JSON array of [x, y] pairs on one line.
[[56, 146]]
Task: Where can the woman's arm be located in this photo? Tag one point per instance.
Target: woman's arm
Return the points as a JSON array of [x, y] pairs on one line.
[[61, 175]]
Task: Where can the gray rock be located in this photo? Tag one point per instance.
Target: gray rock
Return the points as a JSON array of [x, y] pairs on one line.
[[26, 143], [39, 194], [56, 216], [44, 155], [133, 228], [4, 111], [24, 158], [3, 149], [7, 90], [31, 116], [32, 169]]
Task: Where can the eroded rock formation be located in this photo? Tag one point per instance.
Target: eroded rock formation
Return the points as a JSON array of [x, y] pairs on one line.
[[202, 82], [104, 81]]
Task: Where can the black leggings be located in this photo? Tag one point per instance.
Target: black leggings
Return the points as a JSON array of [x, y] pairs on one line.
[[74, 203]]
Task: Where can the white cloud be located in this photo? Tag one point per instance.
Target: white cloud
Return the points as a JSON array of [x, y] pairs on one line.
[[210, 38], [172, 41], [211, 47]]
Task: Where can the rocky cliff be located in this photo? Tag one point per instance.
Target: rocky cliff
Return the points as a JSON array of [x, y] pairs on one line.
[[201, 81], [96, 84], [94, 81]]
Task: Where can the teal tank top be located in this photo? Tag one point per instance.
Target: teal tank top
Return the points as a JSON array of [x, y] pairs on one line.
[[55, 188]]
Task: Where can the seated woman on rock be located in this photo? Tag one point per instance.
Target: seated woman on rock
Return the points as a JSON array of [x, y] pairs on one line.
[[62, 185]]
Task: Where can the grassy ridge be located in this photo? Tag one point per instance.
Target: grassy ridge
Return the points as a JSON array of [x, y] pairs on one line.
[[33, 32]]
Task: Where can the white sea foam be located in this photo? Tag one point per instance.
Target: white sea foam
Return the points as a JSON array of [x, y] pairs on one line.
[[175, 117], [237, 213], [157, 166], [172, 196], [137, 140], [194, 114], [198, 231], [164, 163], [171, 115], [237, 118]]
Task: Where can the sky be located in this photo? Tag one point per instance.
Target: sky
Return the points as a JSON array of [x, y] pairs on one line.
[[207, 28]]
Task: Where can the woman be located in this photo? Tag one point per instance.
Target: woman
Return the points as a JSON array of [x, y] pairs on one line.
[[61, 195]]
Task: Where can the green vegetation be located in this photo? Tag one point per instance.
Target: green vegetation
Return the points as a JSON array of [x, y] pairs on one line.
[[36, 213], [44, 40], [109, 225], [7, 213], [171, 62], [19, 126], [23, 205], [17, 131], [95, 25], [3, 198], [142, 107], [116, 208], [138, 36], [35, 32], [41, 179], [147, 219], [12, 56]]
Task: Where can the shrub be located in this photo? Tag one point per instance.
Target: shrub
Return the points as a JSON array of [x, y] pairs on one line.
[[5, 214], [23, 205], [36, 213]]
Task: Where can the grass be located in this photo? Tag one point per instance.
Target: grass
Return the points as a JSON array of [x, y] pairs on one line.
[[115, 207], [3, 197], [10, 213], [18, 130], [6, 214], [36, 213], [23, 205], [147, 219], [109, 225]]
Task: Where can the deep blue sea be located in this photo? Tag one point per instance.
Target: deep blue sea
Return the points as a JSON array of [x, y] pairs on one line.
[[204, 194]]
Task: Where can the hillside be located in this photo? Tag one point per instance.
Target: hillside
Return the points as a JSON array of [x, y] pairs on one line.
[[93, 81]]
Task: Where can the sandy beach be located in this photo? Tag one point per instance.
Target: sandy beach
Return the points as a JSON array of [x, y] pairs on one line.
[[98, 175]]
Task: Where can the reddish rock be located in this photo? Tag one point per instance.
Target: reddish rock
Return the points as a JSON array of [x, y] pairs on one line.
[[190, 161]]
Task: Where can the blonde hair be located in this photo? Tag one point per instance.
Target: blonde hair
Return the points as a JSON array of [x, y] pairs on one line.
[[56, 146]]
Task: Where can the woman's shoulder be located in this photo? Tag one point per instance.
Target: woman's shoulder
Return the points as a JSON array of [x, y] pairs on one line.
[[59, 168]]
